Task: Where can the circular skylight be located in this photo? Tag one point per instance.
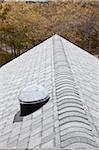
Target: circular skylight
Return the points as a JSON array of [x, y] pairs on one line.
[[33, 93]]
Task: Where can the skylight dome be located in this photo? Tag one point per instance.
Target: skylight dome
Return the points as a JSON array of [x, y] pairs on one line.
[[32, 98]]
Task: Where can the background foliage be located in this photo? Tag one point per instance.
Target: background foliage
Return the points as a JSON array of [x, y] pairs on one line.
[[24, 25]]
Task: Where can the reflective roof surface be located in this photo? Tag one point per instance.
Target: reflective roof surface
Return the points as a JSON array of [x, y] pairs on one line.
[[70, 119]]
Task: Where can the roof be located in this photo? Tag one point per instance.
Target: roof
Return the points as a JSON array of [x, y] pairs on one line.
[[70, 120]]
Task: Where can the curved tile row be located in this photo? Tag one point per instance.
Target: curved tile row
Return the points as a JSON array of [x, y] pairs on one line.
[[71, 109], [80, 146], [76, 134], [73, 129], [72, 114], [71, 101], [74, 124], [78, 139]]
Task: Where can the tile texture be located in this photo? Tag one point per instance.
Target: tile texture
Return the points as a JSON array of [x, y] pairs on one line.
[[70, 120]]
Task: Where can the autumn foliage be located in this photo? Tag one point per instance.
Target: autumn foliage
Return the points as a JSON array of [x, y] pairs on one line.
[[24, 25]]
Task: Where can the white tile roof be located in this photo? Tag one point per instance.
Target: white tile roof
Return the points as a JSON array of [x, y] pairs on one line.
[[70, 120]]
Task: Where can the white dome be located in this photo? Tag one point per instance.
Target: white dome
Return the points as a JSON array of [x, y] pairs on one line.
[[33, 93]]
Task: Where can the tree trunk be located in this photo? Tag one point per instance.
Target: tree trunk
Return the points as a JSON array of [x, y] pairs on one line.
[[14, 50]]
